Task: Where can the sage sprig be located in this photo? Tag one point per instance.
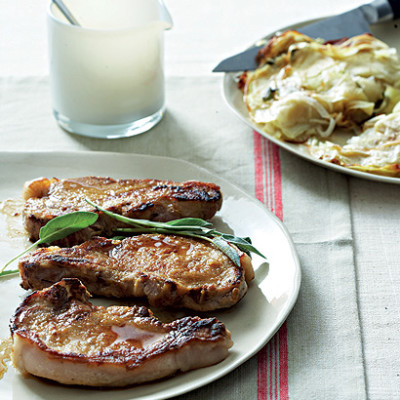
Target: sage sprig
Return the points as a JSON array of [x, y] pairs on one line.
[[56, 229], [191, 227], [9, 272], [64, 225]]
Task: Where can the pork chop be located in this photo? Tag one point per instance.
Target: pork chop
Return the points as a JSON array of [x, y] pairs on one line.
[[169, 270], [157, 200], [59, 335]]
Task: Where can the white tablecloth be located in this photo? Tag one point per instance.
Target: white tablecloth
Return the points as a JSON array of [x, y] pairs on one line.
[[341, 340]]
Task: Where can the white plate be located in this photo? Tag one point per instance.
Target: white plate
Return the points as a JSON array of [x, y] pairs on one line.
[[252, 322], [234, 98]]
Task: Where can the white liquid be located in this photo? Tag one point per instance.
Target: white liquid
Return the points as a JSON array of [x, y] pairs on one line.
[[101, 75]]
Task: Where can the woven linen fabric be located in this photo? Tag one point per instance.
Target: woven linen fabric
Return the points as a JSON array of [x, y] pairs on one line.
[[324, 341]]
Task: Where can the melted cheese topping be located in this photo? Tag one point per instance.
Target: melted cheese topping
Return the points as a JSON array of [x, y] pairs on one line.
[[306, 90]]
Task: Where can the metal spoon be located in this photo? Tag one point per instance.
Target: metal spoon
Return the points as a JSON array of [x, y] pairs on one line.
[[65, 11]]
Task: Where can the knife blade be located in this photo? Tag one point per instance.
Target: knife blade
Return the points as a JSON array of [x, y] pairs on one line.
[[348, 24]]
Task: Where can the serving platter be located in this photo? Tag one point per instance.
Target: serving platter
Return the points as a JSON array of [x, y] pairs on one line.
[[252, 322], [387, 32]]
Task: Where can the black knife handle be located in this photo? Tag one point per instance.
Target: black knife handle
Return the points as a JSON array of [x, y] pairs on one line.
[[395, 4]]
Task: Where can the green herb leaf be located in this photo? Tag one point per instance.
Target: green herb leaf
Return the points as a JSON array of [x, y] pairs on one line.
[[243, 244], [64, 225], [224, 246], [58, 228], [178, 226], [192, 227], [126, 220], [19, 255], [10, 272], [228, 237], [189, 222]]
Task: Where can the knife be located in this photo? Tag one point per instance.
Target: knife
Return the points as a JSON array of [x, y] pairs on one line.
[[348, 24]]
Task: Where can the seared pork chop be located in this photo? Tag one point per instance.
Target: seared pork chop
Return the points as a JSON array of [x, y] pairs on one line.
[[59, 335], [169, 270], [151, 199]]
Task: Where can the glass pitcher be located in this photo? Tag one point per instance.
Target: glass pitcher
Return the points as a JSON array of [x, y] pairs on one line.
[[106, 74]]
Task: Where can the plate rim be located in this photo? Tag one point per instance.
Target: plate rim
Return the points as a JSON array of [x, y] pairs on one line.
[[297, 275]]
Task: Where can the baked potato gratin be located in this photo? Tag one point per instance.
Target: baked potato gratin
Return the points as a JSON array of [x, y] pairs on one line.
[[306, 90]]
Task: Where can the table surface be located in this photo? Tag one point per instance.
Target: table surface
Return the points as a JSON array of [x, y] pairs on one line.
[[342, 338]]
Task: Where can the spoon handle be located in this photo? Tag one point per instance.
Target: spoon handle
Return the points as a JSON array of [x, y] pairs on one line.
[[67, 14]]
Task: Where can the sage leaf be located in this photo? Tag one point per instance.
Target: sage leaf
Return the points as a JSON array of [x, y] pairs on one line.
[[243, 244], [248, 248], [64, 225], [58, 228], [224, 246], [32, 246], [189, 222], [192, 227], [126, 220], [10, 272], [158, 225]]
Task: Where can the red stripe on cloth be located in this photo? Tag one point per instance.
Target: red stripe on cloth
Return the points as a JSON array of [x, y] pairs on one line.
[[278, 210], [271, 368], [276, 372], [262, 374], [283, 363], [258, 164], [272, 360], [269, 175]]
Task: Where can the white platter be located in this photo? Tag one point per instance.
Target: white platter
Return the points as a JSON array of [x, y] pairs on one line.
[[388, 32], [252, 322]]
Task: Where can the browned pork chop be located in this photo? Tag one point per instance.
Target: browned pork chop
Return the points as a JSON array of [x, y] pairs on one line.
[[169, 270], [152, 199], [58, 334]]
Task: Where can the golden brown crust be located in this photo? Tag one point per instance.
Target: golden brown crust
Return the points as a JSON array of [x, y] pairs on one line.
[[59, 335], [168, 270], [278, 45], [158, 200]]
